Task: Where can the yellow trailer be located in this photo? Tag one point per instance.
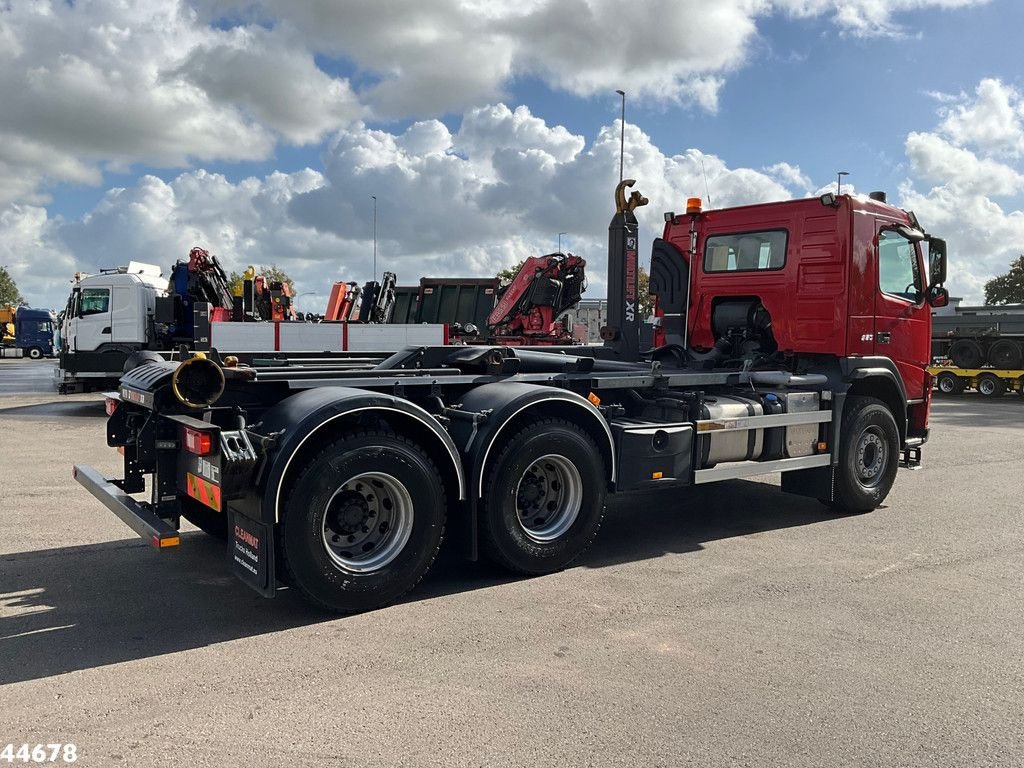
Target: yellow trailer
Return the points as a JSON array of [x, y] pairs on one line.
[[989, 382]]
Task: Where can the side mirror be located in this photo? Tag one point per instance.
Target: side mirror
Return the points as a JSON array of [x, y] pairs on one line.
[[937, 261], [938, 296]]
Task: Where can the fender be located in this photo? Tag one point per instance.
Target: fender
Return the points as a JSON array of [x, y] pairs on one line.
[[880, 369], [303, 415], [506, 401]]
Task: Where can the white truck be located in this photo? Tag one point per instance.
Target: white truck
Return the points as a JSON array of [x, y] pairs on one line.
[[113, 314]]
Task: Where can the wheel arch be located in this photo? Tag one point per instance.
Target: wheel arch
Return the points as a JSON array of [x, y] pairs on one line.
[[882, 384], [513, 404], [314, 417]]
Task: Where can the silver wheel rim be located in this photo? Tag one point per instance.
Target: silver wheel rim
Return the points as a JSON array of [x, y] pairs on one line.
[[367, 522], [986, 386], [945, 384], [871, 457], [548, 498]]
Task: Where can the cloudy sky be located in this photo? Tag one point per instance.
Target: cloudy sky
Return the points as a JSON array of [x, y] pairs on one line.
[[260, 128]]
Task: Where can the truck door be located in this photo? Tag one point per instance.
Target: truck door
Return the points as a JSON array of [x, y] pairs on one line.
[[125, 315], [901, 314], [91, 325]]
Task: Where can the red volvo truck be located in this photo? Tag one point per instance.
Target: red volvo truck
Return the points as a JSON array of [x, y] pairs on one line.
[[793, 338]]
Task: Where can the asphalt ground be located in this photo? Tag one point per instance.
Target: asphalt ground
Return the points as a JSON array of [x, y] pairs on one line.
[[21, 376], [728, 625]]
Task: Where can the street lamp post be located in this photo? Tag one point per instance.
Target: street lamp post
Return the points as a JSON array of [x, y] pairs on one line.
[[560, 240], [839, 181], [374, 237], [622, 132]]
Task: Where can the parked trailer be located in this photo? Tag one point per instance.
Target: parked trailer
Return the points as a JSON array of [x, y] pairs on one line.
[[981, 337], [989, 382], [796, 336]]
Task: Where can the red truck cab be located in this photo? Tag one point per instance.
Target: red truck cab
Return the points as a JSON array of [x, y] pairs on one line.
[[840, 277]]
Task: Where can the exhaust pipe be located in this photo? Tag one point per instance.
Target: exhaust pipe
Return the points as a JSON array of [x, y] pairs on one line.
[[198, 382]]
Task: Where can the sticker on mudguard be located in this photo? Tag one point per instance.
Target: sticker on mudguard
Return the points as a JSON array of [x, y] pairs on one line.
[[249, 551]]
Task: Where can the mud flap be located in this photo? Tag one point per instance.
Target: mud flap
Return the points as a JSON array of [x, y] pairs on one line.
[[816, 482], [251, 549]]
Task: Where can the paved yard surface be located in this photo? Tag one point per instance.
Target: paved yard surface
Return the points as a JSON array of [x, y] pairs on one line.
[[731, 625], [23, 376]]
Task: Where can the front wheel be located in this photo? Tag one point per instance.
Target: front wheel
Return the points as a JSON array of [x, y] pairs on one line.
[[363, 521], [35, 353], [868, 455], [544, 498]]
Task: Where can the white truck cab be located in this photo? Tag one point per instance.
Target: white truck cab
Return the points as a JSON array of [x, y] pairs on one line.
[[110, 312]]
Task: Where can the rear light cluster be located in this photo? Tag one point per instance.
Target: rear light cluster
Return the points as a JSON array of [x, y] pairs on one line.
[[111, 403], [197, 442]]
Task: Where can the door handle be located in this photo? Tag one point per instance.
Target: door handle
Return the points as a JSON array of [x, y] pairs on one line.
[[883, 337], [106, 330]]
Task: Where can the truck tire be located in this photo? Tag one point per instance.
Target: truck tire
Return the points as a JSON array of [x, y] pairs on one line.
[[949, 383], [363, 521], [1005, 354], [990, 385], [869, 454], [35, 353], [967, 353], [544, 498], [205, 519]]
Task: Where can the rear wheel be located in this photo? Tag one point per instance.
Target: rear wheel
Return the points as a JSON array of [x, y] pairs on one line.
[[205, 519], [543, 499], [990, 385], [949, 384], [35, 353], [868, 455], [363, 521]]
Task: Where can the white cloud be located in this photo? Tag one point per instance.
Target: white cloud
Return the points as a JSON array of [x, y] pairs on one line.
[[499, 189], [790, 175], [105, 84], [936, 160], [973, 156], [993, 121], [108, 84], [865, 18]]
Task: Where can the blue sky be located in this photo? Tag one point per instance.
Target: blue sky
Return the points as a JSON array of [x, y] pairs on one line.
[[260, 130]]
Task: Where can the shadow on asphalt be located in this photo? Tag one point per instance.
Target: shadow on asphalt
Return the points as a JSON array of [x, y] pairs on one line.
[[75, 608], [58, 409]]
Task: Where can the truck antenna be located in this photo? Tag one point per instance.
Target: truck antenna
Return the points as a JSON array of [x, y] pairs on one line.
[[707, 189]]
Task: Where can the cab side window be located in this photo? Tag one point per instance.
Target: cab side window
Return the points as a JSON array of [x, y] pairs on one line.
[[898, 273], [745, 252], [94, 301]]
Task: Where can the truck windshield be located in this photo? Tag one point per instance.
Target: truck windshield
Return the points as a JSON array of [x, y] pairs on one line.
[[745, 252], [898, 272]]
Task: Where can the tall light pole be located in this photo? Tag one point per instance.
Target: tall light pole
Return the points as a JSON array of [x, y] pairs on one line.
[[839, 181], [622, 134], [374, 237], [560, 240]]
